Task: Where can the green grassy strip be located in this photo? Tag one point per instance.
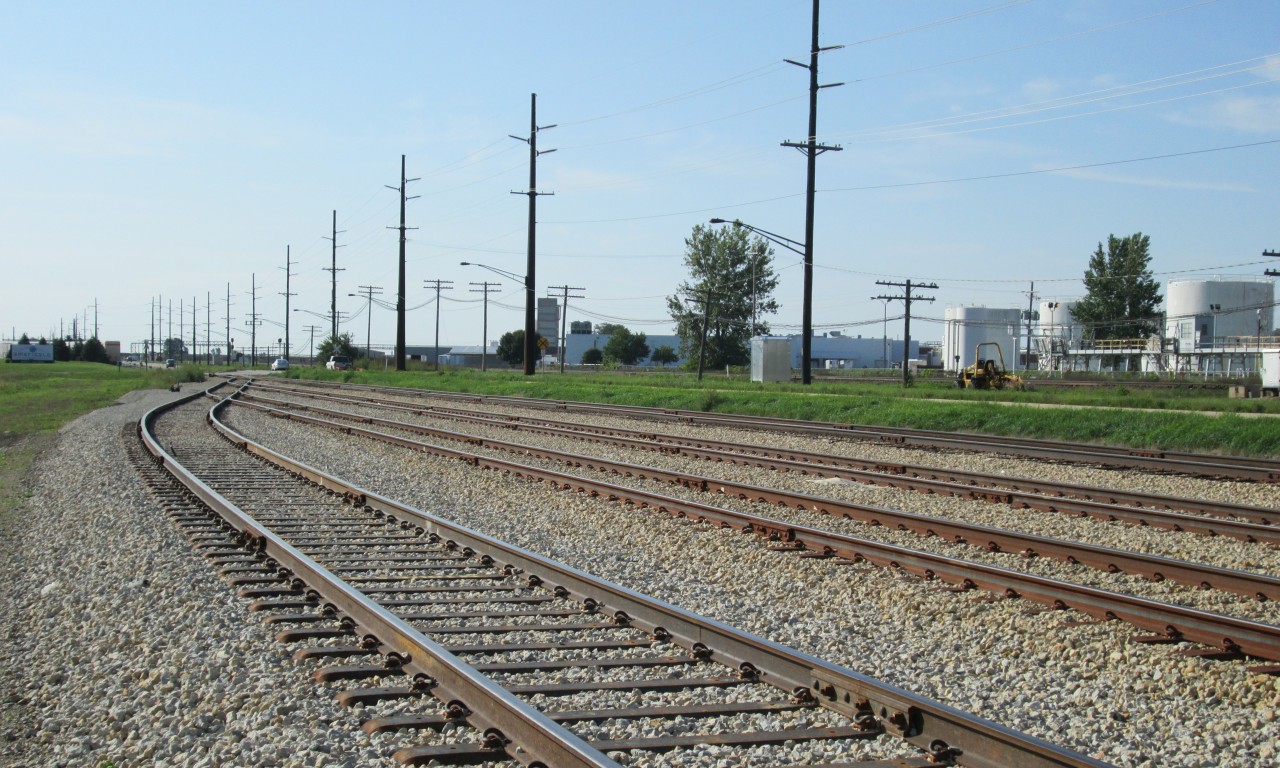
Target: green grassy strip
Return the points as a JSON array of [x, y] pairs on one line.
[[42, 397], [1166, 426]]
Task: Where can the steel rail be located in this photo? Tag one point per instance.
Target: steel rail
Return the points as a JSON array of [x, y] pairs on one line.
[[495, 711], [1139, 509], [1169, 623], [1250, 584], [1205, 465], [944, 733]]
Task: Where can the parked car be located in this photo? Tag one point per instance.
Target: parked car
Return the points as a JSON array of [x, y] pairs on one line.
[[338, 363], [279, 364], [169, 363]]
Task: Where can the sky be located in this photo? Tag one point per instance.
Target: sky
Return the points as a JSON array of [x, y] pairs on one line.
[[159, 152]]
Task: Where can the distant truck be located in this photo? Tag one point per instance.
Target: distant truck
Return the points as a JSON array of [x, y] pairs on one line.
[[338, 363], [1270, 372], [28, 353]]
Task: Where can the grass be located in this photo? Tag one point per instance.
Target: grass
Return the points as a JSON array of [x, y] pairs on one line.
[[1170, 419], [35, 400]]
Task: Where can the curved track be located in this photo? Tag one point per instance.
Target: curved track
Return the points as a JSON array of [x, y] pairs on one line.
[[453, 606]]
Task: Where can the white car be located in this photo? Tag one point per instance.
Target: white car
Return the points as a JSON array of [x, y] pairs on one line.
[[279, 364]]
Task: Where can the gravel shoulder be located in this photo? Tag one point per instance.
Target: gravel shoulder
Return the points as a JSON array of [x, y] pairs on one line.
[[122, 647]]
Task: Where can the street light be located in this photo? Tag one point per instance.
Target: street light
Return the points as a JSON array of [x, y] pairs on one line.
[[530, 332], [806, 330]]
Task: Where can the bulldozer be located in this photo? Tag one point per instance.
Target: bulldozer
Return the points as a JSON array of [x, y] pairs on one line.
[[987, 372]]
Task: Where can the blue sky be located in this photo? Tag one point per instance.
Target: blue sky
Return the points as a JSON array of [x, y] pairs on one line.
[[168, 149]]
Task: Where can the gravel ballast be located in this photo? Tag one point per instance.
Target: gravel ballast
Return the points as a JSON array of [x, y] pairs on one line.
[[123, 646], [1084, 687]]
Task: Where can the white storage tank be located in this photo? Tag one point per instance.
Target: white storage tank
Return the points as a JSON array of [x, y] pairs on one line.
[[1207, 313], [770, 358], [964, 328], [1057, 323]]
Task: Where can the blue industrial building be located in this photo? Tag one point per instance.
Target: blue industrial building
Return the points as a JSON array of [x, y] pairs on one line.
[[831, 350]]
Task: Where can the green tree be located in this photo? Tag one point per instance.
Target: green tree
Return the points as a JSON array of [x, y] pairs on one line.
[[625, 347], [61, 351], [1122, 299], [336, 345], [664, 355], [592, 356], [732, 271], [94, 352], [607, 329], [24, 339], [511, 347]]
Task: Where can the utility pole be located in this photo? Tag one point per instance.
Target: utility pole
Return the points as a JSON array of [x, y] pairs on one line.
[[530, 329], [288, 273], [182, 320], [169, 335], [228, 319], [486, 288], [706, 320], [1031, 297], [195, 341], [564, 318], [368, 291], [333, 270], [811, 149], [151, 329], [1274, 255], [906, 298], [400, 291], [95, 319], [312, 330], [208, 327], [439, 285], [253, 321]]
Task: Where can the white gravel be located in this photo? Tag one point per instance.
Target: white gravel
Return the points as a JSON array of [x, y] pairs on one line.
[[1086, 688], [123, 648]]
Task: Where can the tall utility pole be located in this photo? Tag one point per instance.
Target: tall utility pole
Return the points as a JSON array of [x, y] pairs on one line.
[[253, 321], [530, 327], [228, 319], [169, 335], [906, 298], [1271, 272], [811, 148], [288, 273], [439, 285], [333, 270], [486, 288], [95, 319], [195, 341], [368, 291], [208, 327], [182, 321], [1031, 297], [400, 291], [564, 317], [151, 329]]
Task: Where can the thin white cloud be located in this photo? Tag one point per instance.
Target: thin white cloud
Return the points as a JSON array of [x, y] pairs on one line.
[[101, 125], [1246, 114], [1091, 174]]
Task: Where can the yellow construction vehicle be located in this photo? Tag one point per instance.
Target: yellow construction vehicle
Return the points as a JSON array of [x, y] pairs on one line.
[[988, 372]]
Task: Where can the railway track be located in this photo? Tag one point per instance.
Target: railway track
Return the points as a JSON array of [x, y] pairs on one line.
[[1260, 586], [1202, 465], [1246, 522], [445, 631], [1228, 637]]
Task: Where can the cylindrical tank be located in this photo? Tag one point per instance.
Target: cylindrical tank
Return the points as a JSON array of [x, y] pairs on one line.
[[1057, 323], [1208, 312], [964, 328]]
